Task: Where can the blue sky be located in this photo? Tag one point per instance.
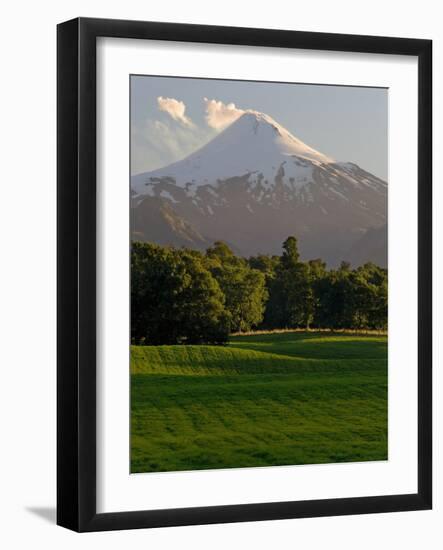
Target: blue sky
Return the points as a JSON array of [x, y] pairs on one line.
[[345, 123]]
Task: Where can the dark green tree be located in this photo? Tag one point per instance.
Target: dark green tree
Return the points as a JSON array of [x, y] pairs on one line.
[[291, 299], [265, 264], [174, 298], [376, 278], [243, 287], [335, 300], [317, 272], [202, 315], [348, 298]]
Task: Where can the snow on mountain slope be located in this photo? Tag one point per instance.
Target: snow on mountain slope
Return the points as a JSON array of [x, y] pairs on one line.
[[255, 144]]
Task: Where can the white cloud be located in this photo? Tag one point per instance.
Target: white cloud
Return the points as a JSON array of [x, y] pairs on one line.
[[156, 143], [175, 108], [219, 114]]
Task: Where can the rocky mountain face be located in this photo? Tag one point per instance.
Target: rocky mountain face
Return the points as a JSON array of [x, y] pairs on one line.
[[373, 244], [255, 184]]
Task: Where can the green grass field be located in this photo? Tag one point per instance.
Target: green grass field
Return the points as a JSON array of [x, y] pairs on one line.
[[268, 399]]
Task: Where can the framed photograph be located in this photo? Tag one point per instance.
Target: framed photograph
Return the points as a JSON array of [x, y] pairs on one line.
[[244, 274]]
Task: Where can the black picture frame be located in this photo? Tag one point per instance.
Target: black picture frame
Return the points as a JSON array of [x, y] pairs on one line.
[[76, 265]]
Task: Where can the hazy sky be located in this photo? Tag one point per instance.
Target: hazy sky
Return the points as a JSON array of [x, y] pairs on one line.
[[170, 118]]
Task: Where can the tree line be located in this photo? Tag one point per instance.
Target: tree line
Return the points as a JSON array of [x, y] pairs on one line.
[[186, 296]]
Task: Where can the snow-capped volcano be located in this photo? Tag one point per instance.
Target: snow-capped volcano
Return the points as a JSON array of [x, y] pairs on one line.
[[254, 144], [252, 186]]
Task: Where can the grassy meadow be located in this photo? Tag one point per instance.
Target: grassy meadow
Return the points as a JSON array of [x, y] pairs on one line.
[[262, 400]]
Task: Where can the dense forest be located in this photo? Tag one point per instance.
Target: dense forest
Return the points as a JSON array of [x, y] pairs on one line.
[[185, 296]]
